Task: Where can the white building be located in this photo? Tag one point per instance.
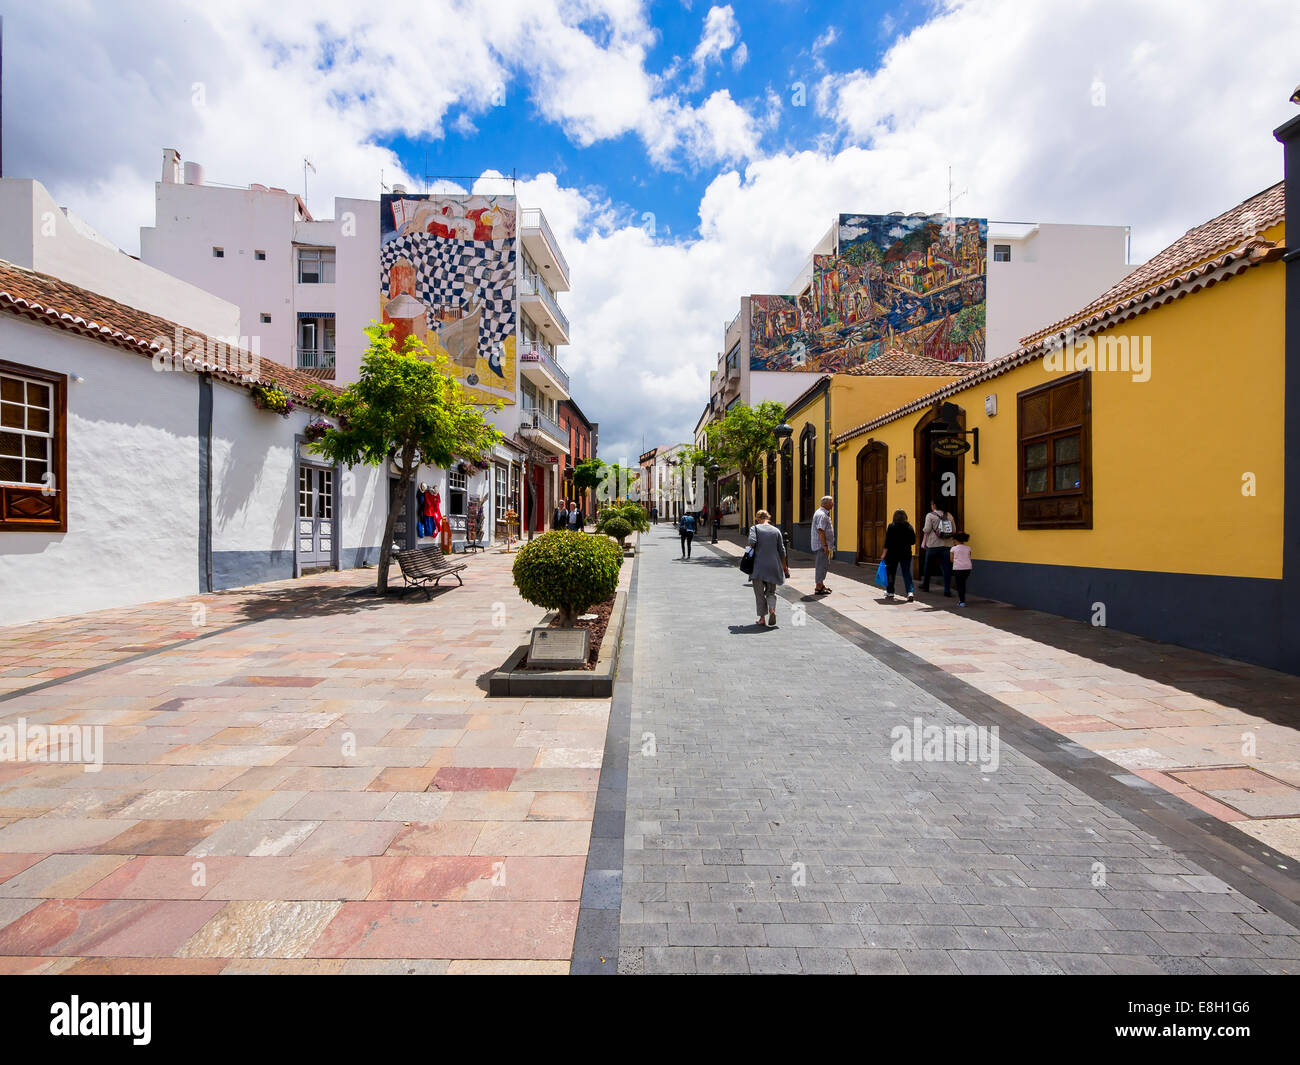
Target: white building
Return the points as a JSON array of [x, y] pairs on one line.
[[127, 475], [308, 287], [1036, 273]]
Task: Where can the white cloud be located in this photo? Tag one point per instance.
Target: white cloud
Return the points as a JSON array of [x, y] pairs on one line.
[[721, 31]]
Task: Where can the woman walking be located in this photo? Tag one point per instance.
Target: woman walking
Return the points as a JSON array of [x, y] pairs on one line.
[[770, 565], [899, 538]]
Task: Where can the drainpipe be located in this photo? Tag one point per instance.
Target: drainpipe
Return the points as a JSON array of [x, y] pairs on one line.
[[205, 483], [1289, 135]]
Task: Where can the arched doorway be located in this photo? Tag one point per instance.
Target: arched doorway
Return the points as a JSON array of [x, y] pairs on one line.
[[938, 477], [873, 470]]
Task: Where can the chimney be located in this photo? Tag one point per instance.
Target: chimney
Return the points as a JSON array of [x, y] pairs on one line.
[[171, 168], [193, 174]]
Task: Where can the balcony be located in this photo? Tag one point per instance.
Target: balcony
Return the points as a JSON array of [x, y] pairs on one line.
[[545, 372], [318, 362], [544, 248], [543, 308], [537, 426]]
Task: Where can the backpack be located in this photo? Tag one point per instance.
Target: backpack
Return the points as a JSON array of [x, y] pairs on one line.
[[946, 527]]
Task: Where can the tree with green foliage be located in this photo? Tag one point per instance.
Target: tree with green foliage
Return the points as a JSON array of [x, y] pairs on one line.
[[405, 407], [743, 438], [617, 482], [586, 475]]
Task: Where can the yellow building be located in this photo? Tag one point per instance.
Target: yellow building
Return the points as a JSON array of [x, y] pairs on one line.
[[794, 481], [1126, 465]]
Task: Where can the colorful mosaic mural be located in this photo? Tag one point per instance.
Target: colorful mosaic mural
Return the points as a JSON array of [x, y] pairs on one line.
[[447, 275], [912, 282]]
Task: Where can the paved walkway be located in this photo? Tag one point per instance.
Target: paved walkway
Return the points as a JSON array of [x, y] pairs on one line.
[[776, 821], [1222, 735], [310, 781]]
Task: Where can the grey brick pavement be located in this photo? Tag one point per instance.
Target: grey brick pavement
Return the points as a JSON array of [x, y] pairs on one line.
[[769, 830]]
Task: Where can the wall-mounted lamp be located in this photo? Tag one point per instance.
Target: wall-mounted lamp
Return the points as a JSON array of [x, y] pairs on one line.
[[78, 379]]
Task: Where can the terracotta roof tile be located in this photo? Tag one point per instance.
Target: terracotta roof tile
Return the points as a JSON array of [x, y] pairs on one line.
[[899, 363], [56, 302], [1234, 227]]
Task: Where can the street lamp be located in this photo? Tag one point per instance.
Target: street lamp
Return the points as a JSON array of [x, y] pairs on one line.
[[713, 472]]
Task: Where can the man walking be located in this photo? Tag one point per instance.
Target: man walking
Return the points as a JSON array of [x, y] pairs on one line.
[[936, 539], [686, 527], [575, 516], [823, 543]]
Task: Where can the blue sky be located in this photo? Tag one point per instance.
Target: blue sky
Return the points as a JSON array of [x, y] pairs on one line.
[[785, 44], [616, 111]]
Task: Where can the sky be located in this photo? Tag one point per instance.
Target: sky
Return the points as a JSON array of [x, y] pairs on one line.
[[686, 154]]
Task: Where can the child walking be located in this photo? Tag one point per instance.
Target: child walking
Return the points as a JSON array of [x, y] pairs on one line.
[[961, 564]]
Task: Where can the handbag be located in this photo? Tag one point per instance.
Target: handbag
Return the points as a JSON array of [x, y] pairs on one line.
[[882, 574], [747, 561]]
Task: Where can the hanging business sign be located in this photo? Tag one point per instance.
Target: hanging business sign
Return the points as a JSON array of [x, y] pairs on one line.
[[949, 447]]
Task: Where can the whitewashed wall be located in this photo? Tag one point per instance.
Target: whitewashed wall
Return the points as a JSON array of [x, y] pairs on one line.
[[254, 486], [133, 484]]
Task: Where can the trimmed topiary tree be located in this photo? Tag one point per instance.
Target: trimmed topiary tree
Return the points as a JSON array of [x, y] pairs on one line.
[[568, 572], [619, 528], [632, 514]]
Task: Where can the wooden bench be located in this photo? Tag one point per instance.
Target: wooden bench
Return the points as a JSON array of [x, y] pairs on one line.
[[422, 566]]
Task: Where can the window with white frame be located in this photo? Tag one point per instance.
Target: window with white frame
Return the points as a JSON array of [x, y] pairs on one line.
[[456, 493]]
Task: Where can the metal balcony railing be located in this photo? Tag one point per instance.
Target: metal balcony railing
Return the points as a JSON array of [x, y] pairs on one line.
[[535, 419], [315, 358], [532, 218], [535, 285], [540, 356]]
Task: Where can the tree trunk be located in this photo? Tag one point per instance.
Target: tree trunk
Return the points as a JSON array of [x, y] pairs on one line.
[[386, 548]]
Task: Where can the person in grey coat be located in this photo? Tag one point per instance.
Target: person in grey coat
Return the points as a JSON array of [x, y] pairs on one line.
[[770, 565]]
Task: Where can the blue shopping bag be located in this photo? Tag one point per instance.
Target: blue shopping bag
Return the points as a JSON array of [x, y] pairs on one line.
[[882, 575]]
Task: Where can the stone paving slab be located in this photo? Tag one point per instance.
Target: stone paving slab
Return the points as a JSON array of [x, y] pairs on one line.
[[773, 824], [312, 781]]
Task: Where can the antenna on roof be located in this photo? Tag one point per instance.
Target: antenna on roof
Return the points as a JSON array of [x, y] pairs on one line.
[[306, 165], [952, 225]]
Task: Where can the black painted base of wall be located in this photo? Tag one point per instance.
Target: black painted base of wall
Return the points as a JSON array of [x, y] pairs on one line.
[[1238, 617]]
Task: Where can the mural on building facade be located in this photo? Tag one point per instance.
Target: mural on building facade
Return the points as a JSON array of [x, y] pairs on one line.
[[447, 275], [910, 282]]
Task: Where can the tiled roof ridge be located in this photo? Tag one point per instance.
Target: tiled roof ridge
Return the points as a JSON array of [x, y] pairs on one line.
[[1199, 245], [122, 323]]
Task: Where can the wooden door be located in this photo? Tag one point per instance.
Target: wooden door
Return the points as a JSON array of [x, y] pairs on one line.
[[873, 463]]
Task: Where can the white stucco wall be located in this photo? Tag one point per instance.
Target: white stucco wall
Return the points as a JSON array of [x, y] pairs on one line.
[[35, 233], [254, 471], [132, 482], [1054, 270], [191, 219]]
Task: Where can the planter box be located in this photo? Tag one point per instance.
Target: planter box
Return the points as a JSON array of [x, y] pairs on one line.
[[512, 680]]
